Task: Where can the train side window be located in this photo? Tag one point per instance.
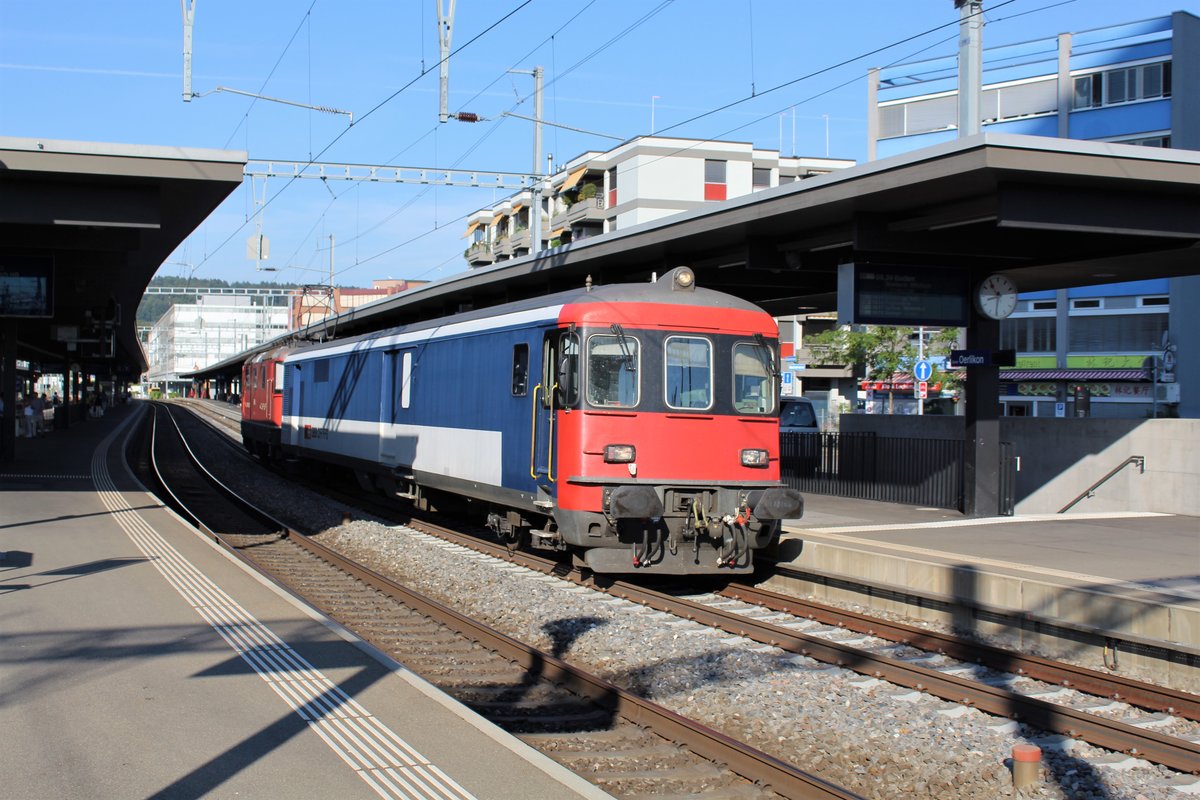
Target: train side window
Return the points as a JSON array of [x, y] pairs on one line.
[[279, 373], [753, 388], [562, 370], [321, 371], [520, 371], [568, 371], [689, 372], [406, 379], [612, 371]]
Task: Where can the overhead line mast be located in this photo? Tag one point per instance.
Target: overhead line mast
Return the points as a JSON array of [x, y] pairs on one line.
[[189, 17], [445, 31]]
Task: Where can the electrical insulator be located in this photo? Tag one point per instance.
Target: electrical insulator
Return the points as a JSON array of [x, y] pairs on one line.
[[466, 116]]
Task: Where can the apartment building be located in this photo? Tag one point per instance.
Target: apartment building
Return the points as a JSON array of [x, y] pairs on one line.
[[641, 180], [1122, 350]]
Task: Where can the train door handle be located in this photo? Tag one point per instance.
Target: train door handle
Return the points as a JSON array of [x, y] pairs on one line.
[[533, 434]]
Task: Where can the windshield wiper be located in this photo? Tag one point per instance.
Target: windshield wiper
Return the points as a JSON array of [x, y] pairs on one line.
[[766, 355], [623, 343]]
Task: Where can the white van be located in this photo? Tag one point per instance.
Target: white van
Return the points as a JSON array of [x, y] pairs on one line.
[[797, 415]]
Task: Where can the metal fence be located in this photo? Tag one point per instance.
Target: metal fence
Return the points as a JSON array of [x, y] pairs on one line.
[[926, 472], [1010, 464]]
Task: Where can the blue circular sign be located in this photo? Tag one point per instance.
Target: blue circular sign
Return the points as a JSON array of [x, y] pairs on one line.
[[922, 370]]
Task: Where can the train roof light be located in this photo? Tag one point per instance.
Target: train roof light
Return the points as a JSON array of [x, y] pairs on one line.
[[683, 279]]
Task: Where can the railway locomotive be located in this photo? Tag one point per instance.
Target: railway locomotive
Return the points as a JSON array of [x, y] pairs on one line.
[[635, 425]]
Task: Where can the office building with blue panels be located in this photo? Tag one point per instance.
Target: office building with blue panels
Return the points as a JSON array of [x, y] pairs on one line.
[[1126, 350]]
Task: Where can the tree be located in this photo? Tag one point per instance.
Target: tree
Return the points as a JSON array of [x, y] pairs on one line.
[[882, 350]]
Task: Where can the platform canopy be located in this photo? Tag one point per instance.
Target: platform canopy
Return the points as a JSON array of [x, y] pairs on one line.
[[83, 228], [1049, 213]]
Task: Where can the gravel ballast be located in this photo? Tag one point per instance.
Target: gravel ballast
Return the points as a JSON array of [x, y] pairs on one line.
[[875, 738]]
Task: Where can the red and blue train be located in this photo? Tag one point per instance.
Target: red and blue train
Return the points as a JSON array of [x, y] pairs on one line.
[[636, 425]]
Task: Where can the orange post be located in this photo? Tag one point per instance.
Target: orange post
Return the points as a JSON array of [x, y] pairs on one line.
[[1026, 765]]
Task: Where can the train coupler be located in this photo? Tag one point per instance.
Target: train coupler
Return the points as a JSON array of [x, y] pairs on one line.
[[735, 540]]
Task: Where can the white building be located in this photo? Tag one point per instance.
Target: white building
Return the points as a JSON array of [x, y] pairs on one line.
[[192, 336], [641, 180]]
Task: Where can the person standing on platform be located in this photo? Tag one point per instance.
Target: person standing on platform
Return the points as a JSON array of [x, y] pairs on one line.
[[30, 422], [39, 414]]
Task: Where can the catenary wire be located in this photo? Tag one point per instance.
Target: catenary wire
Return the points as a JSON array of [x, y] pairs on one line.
[[359, 121], [846, 62], [270, 74]]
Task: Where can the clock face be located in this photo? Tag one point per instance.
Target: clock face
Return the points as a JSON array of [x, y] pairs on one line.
[[996, 297]]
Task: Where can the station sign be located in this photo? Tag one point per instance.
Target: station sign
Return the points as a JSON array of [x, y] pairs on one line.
[[983, 358], [890, 294]]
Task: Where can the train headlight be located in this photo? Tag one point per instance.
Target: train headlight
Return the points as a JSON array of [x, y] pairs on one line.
[[683, 279], [619, 454], [755, 458]]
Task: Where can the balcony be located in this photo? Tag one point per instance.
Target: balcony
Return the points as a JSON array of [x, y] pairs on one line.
[[480, 253], [590, 210], [503, 248], [520, 239]]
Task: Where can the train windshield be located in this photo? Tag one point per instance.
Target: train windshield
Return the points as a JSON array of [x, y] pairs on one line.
[[689, 372], [612, 370], [753, 389]]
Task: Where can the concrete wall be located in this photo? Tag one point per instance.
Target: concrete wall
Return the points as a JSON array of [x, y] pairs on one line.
[[1061, 458]]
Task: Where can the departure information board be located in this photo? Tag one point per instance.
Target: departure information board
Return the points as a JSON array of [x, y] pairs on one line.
[[888, 294], [26, 287]]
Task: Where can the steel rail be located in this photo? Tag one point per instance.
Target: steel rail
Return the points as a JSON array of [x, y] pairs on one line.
[[251, 510], [1169, 751], [1117, 687], [1172, 752], [906, 594], [750, 763]]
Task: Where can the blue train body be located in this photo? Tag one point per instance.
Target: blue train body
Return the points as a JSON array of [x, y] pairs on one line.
[[635, 424]]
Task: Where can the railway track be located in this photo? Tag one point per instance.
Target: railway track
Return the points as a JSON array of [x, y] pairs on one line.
[[1118, 714], [1109, 711], [624, 744]]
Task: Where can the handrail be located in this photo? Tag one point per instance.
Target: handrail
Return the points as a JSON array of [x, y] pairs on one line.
[[1091, 490], [533, 435], [533, 431], [550, 436]]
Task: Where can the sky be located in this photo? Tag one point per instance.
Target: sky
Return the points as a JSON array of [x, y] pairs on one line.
[[781, 74]]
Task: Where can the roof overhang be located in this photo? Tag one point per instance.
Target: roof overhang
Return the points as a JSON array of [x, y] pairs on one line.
[[105, 216]]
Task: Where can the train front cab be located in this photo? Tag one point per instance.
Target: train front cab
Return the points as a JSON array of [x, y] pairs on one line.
[[657, 439], [262, 404]]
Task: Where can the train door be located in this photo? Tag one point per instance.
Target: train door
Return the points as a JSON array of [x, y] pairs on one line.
[[558, 388], [277, 382], [397, 397], [293, 408]]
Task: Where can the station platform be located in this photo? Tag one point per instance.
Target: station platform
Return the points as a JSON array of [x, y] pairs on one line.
[[140, 660], [1134, 574]]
